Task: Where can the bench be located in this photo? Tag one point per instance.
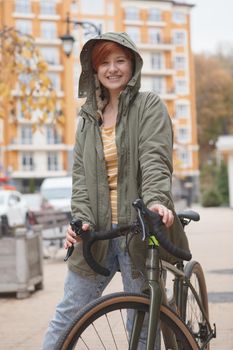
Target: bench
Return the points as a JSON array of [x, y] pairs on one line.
[[53, 222]]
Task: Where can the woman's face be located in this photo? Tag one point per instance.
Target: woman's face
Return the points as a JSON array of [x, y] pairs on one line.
[[115, 71]]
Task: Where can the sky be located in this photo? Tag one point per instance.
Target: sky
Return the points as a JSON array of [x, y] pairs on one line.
[[211, 24]]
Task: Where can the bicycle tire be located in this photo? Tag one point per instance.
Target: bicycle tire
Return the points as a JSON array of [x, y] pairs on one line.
[[192, 316], [75, 337]]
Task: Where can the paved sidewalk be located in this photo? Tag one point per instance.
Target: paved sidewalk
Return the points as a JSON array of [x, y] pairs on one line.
[[23, 322]]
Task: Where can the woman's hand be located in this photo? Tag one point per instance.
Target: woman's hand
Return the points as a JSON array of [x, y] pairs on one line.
[[164, 212], [71, 237]]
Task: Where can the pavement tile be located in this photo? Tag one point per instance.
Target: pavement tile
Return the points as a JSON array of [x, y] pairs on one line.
[[23, 322]]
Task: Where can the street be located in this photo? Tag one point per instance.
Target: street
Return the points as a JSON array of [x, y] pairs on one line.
[[23, 322]]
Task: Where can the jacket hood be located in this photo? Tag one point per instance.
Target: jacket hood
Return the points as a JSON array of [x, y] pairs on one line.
[[87, 80]]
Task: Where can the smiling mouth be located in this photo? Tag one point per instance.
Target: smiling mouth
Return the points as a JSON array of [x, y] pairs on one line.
[[114, 78]]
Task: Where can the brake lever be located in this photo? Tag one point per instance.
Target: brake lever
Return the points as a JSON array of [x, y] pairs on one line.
[[142, 225], [76, 226], [138, 205]]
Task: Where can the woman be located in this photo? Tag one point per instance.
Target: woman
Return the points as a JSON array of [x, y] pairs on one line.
[[123, 151]]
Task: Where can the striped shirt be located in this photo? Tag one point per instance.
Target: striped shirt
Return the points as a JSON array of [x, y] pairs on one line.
[[110, 154]]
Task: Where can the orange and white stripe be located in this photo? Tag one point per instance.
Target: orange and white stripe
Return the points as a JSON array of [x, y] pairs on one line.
[[110, 154]]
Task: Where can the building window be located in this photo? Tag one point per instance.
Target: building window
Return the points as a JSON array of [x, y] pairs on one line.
[[183, 134], [23, 6], [52, 137], [180, 62], [27, 162], [48, 30], [56, 80], [179, 37], [158, 85], [157, 61], [181, 86], [154, 36], [50, 55], [132, 14], [90, 7], [73, 7], [26, 135], [185, 157], [47, 7], [110, 8], [154, 15], [1, 132], [182, 110], [134, 33], [23, 26], [179, 17], [52, 161]]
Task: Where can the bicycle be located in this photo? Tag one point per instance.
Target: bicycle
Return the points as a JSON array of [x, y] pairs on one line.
[[180, 327]]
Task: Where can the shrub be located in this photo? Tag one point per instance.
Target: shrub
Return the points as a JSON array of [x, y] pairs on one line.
[[222, 183], [211, 198]]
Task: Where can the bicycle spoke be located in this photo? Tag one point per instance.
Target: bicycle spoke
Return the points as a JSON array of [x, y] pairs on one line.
[[123, 322], [82, 340], [97, 333], [106, 315]]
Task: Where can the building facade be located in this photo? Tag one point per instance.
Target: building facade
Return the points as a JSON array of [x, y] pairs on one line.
[[161, 30]]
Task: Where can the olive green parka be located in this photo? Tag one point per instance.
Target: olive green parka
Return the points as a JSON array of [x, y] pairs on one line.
[[144, 149]]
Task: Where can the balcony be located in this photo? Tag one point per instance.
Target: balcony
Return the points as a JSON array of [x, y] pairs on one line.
[[19, 145], [55, 67], [48, 41], [23, 15], [38, 173], [162, 71], [49, 17], [159, 24], [168, 95], [59, 93], [156, 46]]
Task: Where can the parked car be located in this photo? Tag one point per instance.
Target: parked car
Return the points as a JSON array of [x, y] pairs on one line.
[[34, 201], [13, 209], [56, 193]]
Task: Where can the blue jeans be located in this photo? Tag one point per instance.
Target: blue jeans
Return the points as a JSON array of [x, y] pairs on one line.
[[79, 291]]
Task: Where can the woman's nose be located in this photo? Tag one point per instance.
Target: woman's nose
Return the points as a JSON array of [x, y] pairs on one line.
[[112, 67]]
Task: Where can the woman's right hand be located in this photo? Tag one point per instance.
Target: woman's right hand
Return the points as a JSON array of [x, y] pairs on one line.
[[71, 237]]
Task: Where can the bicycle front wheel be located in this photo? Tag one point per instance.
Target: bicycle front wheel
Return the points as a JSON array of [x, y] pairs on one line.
[[196, 319], [102, 324]]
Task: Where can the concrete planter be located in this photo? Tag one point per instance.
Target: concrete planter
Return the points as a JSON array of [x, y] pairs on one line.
[[21, 265]]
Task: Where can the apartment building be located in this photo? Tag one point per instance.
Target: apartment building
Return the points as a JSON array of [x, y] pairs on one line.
[[161, 30]]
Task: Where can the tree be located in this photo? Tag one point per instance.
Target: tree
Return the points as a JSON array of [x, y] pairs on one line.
[[214, 103], [23, 69]]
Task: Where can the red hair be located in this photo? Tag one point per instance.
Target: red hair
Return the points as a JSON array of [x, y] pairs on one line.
[[103, 48]]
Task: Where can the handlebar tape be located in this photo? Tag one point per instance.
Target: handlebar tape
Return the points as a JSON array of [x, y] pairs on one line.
[[158, 229], [89, 237]]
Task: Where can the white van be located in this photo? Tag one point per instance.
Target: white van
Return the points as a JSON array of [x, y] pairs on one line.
[[56, 192]]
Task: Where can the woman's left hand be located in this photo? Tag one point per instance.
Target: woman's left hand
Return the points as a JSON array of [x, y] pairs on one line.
[[164, 212]]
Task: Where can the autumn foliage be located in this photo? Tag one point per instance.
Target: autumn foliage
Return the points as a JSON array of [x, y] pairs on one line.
[[214, 101], [24, 80]]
